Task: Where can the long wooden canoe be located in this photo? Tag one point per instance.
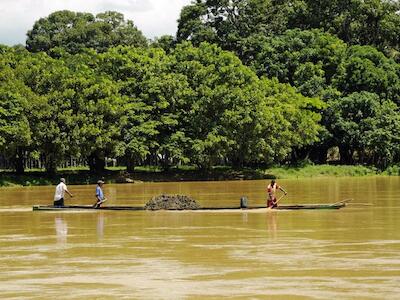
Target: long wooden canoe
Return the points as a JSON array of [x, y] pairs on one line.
[[136, 208], [310, 206], [85, 207]]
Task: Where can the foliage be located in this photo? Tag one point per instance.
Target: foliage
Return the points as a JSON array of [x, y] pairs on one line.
[[366, 69], [228, 22], [296, 118], [307, 60], [75, 112], [75, 31], [231, 113], [392, 171], [233, 24], [15, 130], [223, 107], [252, 87], [166, 42], [319, 171], [371, 22], [154, 97], [366, 128]]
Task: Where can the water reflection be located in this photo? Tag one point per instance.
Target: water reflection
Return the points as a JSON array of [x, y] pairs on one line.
[[272, 224], [61, 227], [100, 225], [245, 218]]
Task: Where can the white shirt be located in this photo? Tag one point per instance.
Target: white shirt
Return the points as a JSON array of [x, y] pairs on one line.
[[60, 191]]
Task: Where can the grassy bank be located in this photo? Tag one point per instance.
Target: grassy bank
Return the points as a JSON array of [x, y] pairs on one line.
[[322, 171], [148, 174]]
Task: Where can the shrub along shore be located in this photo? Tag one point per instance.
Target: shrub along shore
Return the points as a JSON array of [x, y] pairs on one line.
[[119, 175]]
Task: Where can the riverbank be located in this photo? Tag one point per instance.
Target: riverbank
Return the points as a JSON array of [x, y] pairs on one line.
[[119, 175]]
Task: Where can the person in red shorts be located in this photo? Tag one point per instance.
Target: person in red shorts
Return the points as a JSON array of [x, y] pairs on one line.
[[271, 190]]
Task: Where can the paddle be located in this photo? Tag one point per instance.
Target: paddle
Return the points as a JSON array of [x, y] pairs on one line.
[[98, 204], [280, 198], [359, 203], [343, 201]]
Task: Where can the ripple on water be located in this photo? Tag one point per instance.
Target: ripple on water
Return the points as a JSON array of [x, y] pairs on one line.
[[160, 279]]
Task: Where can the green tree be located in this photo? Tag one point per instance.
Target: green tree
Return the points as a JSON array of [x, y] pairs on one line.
[[366, 69], [382, 142], [98, 110], [154, 99], [229, 22], [77, 113], [238, 25], [165, 42], [371, 22], [74, 31], [307, 60], [15, 131], [365, 128], [237, 117], [222, 110], [296, 120], [45, 76]]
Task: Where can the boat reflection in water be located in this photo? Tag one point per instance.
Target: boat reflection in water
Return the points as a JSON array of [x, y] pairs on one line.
[[272, 224], [100, 226], [61, 230]]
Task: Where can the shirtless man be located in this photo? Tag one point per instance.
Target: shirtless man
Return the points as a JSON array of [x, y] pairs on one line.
[[271, 190]]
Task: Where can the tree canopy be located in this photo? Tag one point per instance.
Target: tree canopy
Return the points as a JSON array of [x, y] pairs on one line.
[[74, 31], [244, 83], [197, 105], [15, 129], [233, 24], [366, 128]]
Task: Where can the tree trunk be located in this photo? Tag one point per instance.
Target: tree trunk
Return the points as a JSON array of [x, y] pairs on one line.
[[346, 155], [96, 163], [165, 163], [130, 164], [237, 161], [19, 162], [318, 155], [51, 165]]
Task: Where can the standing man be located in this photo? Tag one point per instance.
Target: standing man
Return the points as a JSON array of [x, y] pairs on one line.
[[61, 188], [271, 190], [99, 194]]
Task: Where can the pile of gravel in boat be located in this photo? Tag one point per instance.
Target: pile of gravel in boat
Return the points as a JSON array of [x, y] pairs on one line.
[[177, 202]]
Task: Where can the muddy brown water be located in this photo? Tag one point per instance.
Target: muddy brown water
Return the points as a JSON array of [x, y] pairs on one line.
[[351, 253]]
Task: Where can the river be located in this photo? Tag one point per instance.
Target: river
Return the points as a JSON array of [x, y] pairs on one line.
[[351, 253]]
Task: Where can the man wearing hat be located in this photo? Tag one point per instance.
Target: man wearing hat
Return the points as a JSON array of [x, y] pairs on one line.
[[99, 194], [61, 188]]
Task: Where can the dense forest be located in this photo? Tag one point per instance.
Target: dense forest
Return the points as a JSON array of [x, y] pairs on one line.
[[243, 83]]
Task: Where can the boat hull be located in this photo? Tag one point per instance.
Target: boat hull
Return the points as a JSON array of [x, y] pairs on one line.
[[310, 206], [139, 208], [83, 207]]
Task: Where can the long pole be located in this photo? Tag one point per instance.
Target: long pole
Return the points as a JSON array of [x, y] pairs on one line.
[[343, 201], [278, 200]]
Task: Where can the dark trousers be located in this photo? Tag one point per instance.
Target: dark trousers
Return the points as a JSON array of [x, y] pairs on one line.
[[272, 203], [59, 202]]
